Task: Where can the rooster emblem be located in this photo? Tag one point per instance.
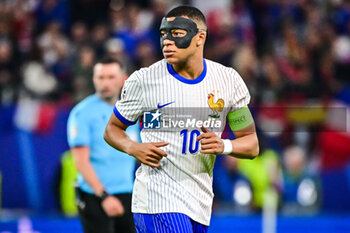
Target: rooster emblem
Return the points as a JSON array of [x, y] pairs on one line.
[[215, 107]]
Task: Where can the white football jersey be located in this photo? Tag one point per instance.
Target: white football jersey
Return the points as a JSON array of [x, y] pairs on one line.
[[173, 109]]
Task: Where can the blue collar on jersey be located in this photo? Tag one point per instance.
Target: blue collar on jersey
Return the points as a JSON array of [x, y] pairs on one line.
[[185, 80]]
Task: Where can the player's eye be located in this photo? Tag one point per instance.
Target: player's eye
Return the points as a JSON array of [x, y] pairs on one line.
[[162, 34], [178, 33]]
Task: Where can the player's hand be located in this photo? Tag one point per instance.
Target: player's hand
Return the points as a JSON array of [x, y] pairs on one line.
[[210, 142], [149, 153], [112, 206]]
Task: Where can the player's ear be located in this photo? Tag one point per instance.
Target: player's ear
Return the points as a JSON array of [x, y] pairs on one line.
[[201, 38], [125, 77]]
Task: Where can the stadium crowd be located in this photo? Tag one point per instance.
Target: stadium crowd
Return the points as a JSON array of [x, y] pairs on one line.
[[294, 56]]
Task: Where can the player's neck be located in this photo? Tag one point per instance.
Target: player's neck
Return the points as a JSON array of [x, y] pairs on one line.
[[191, 69]]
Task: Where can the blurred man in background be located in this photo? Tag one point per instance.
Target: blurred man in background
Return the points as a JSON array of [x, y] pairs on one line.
[[105, 175]]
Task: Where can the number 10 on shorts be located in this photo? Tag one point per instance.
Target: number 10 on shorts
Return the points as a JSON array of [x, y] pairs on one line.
[[193, 143]]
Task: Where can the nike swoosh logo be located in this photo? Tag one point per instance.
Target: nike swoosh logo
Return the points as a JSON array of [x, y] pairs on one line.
[[162, 106]]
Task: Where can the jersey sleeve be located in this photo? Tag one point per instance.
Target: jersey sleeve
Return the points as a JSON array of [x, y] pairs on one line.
[[129, 108], [240, 94], [78, 129]]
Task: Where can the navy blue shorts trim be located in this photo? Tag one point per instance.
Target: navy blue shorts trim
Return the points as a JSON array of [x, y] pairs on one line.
[[167, 223]]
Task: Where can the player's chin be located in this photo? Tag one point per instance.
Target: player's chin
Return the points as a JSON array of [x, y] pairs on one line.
[[171, 60], [107, 95]]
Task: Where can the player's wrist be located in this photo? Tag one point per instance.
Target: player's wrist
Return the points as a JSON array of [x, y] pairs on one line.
[[130, 148], [227, 146]]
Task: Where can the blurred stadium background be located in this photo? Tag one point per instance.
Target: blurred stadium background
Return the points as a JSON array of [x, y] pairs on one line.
[[294, 55]]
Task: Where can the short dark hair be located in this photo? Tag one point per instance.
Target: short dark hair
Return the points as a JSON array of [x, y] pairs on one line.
[[189, 11], [109, 60]]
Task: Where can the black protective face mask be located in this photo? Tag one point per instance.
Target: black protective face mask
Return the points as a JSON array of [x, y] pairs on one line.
[[178, 23]]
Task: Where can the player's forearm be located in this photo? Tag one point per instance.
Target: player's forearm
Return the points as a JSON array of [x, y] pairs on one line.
[[246, 147], [82, 161], [117, 138], [90, 176]]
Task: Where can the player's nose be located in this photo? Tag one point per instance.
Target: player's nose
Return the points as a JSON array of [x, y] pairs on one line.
[[168, 42]]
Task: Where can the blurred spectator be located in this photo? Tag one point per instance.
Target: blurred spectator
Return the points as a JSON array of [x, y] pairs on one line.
[[246, 63], [341, 16], [231, 188], [38, 82], [208, 6], [24, 23], [301, 191], [56, 50], [9, 76], [99, 35], [270, 81], [243, 22], [82, 70], [341, 49], [222, 42], [159, 9], [53, 43], [35, 111], [292, 60], [6, 20], [115, 49], [264, 173], [50, 11], [136, 28], [79, 37], [145, 54]]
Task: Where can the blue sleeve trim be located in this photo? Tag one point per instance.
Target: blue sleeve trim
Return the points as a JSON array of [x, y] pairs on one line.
[[121, 118]]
